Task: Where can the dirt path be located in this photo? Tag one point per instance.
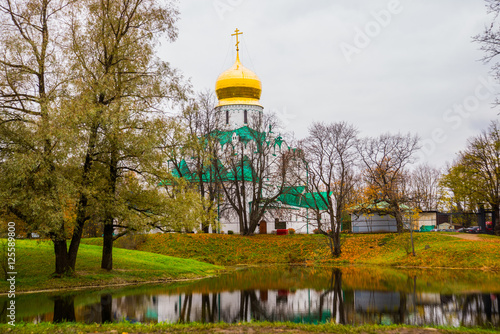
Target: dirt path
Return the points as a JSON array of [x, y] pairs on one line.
[[468, 236]]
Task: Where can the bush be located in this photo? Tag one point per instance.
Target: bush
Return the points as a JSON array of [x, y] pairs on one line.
[[291, 231], [230, 232], [131, 241], [316, 231]]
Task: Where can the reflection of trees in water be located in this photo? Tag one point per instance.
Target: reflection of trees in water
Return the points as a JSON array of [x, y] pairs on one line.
[[327, 303], [479, 309], [64, 309], [208, 308], [335, 290], [106, 308], [185, 314]]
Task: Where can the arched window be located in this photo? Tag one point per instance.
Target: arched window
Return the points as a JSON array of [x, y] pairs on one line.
[[245, 117], [227, 116]]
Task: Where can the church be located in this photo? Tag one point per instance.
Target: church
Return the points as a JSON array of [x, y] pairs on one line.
[[261, 182]]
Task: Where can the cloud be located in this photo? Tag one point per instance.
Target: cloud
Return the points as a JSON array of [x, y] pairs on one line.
[[413, 70]]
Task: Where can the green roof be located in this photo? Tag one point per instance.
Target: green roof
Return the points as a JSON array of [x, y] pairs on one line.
[[245, 172], [295, 196], [244, 133]]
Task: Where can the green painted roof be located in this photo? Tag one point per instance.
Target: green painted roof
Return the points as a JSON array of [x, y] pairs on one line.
[[295, 196]]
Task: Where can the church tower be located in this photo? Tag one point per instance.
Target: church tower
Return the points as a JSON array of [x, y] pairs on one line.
[[238, 90]]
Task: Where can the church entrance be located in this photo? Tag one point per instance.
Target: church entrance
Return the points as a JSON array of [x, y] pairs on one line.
[[263, 227]]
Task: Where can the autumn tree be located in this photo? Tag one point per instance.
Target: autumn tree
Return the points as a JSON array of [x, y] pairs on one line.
[[479, 170], [384, 160], [125, 88], [34, 77], [460, 191], [81, 95], [330, 152]]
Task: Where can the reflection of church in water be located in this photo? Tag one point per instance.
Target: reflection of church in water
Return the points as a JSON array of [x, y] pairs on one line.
[[304, 305], [293, 295]]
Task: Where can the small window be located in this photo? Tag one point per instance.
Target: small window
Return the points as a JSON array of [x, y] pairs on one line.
[[227, 116], [245, 117]]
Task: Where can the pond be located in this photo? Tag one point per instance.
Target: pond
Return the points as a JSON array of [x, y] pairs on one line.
[[350, 295]]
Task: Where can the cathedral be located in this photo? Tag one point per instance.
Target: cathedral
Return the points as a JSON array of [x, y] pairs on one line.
[[261, 181]]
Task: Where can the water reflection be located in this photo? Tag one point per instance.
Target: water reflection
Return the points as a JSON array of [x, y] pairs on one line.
[[294, 294]]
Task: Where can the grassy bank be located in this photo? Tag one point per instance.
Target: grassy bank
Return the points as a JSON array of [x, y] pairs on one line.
[[226, 328], [35, 264], [434, 250]]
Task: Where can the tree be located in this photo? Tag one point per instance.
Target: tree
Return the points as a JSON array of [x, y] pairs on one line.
[[125, 87], [330, 151], [424, 187], [460, 191], [81, 95], [384, 160], [200, 147], [490, 38], [33, 86], [481, 163], [252, 168]]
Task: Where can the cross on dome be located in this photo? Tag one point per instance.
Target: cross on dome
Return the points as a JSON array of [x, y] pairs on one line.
[[237, 33]]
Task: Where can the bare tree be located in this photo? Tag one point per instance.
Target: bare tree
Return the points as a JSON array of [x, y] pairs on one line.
[[384, 160], [201, 123], [252, 168], [330, 151], [424, 187], [490, 39]]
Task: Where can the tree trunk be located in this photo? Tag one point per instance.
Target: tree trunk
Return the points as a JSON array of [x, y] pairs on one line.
[[107, 246], [336, 244], [496, 219], [83, 201], [62, 260], [399, 220], [107, 240]]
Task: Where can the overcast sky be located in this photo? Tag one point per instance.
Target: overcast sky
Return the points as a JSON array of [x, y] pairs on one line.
[[382, 65]]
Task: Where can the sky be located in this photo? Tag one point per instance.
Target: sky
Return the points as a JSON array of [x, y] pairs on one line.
[[381, 65]]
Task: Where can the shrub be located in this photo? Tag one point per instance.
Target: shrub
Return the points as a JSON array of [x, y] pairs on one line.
[[131, 241], [230, 232], [316, 231], [291, 231]]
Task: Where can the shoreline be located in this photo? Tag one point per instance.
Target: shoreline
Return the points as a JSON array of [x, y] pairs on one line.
[[244, 327]]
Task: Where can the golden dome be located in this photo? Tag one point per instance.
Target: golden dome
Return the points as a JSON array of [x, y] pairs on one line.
[[238, 85]]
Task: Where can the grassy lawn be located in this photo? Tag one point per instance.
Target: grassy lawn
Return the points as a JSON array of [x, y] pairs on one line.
[[35, 264], [254, 327], [433, 250]]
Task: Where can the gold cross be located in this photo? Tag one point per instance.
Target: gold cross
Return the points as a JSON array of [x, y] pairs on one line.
[[237, 33]]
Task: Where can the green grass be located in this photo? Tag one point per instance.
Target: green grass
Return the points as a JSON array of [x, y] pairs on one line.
[[433, 250], [35, 264], [254, 327]]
